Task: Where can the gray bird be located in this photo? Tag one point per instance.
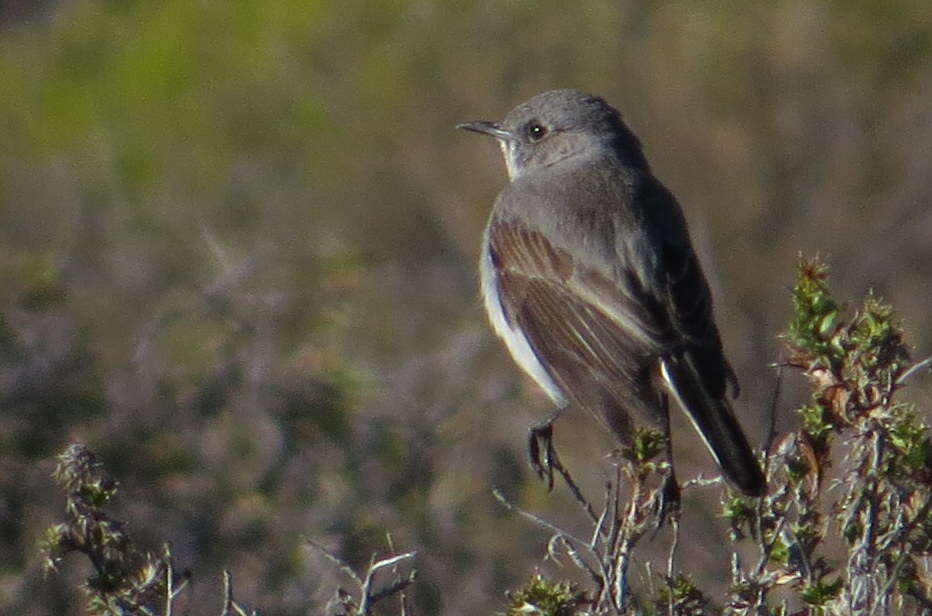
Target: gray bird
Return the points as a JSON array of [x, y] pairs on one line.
[[589, 277]]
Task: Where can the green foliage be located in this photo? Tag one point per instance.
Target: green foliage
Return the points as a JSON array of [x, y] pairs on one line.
[[739, 511], [820, 593], [541, 597], [779, 552], [646, 445], [682, 595], [881, 500], [814, 328], [910, 436], [124, 579], [816, 421]]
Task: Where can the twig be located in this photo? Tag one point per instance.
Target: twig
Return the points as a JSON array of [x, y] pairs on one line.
[[402, 597], [366, 598], [600, 523], [371, 599], [623, 550], [915, 369], [229, 605], [904, 532], [556, 464], [169, 591], [391, 589], [227, 593], [772, 415], [538, 520], [888, 586], [699, 481], [339, 562], [578, 560], [767, 546], [671, 561], [796, 555]]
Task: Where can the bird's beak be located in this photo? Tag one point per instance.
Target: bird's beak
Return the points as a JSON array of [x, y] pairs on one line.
[[488, 128]]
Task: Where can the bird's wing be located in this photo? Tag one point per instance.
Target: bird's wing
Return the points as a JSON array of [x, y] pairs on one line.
[[684, 292], [595, 335]]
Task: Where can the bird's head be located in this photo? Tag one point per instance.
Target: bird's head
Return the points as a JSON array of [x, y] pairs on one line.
[[555, 126]]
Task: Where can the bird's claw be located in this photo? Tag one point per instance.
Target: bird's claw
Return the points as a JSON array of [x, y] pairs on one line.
[[538, 435]]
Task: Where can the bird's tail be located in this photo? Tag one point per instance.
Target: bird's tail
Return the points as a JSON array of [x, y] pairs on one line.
[[716, 423]]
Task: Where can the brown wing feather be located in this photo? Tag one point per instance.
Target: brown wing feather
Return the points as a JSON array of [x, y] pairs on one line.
[[588, 331]]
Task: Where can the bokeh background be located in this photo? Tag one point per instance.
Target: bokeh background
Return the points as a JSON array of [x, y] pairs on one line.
[[238, 246]]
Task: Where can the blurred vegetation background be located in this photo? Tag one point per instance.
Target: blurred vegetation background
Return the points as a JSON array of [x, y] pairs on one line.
[[239, 242]]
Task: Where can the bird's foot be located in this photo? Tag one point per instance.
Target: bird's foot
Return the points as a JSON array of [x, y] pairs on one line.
[[541, 452]]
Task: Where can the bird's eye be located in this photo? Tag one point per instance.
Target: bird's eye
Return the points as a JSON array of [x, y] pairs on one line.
[[536, 131]]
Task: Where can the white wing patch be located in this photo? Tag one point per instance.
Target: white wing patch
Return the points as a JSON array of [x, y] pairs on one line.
[[514, 338]]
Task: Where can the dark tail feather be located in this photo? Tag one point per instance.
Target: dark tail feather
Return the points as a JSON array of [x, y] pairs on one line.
[[716, 424]]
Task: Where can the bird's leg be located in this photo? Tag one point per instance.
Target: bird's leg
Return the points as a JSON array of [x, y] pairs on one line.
[[542, 434], [669, 501]]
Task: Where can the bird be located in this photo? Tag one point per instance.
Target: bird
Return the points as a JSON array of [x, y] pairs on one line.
[[589, 277]]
